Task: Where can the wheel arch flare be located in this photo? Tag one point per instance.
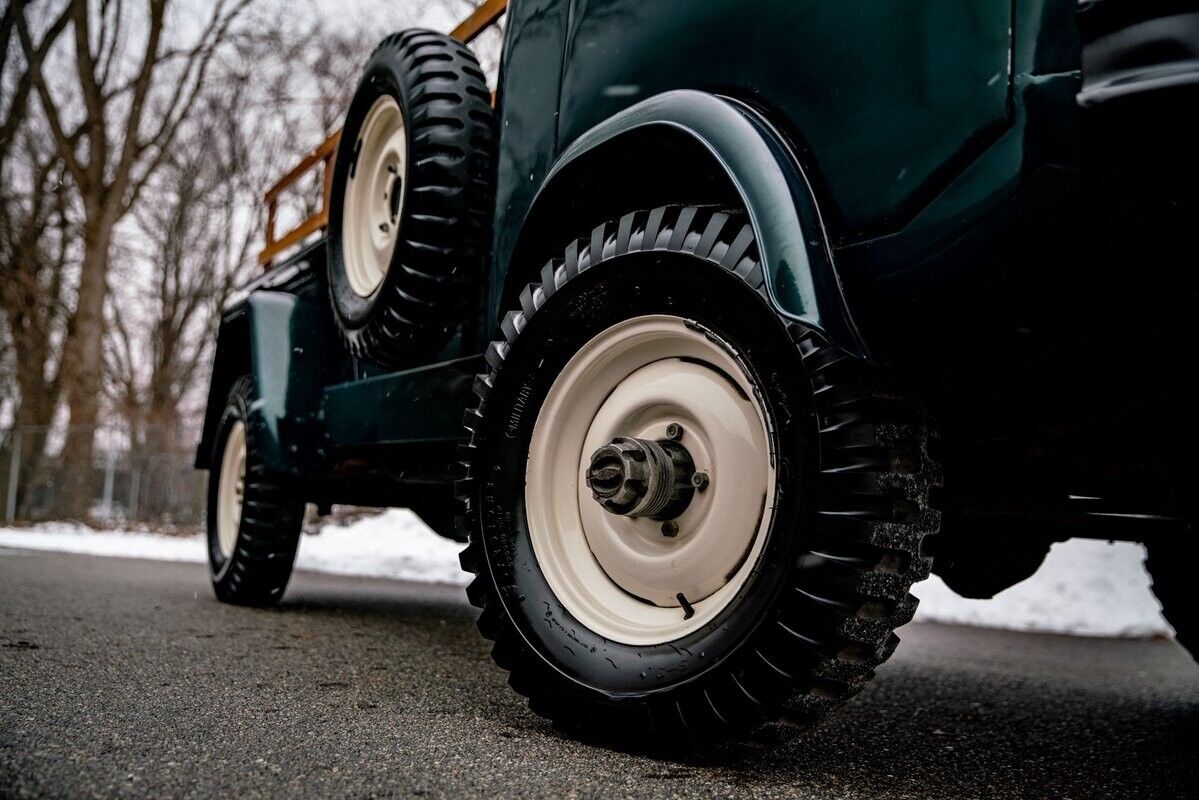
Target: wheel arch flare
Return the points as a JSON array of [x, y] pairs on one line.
[[648, 154]]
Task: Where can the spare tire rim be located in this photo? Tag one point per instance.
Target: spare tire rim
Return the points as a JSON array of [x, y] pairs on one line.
[[231, 488], [374, 196], [642, 580]]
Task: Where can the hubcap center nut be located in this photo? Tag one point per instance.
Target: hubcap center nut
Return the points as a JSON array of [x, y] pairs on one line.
[[642, 477]]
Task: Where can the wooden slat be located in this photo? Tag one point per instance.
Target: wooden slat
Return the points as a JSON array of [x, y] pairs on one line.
[[479, 20], [320, 153], [311, 225]]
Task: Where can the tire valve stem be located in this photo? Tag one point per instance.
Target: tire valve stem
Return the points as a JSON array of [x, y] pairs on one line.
[[383, 226], [688, 611]]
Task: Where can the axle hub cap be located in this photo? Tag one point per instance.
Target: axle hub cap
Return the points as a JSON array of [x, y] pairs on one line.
[[642, 477]]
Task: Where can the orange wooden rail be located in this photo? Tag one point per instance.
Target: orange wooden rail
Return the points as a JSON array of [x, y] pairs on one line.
[[466, 31], [480, 20], [323, 155]]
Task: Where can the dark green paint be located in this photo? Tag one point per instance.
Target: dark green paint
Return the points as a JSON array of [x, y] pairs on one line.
[[416, 406], [292, 358], [527, 95], [890, 156], [883, 94]]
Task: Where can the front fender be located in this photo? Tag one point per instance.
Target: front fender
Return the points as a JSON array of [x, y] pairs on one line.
[[743, 147]]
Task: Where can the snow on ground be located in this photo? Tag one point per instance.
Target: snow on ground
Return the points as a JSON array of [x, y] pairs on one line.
[[1085, 588], [394, 544]]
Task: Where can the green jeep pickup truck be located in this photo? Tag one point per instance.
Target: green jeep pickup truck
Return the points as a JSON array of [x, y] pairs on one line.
[[718, 324]]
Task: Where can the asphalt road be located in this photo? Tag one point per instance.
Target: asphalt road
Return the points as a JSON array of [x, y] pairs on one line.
[[126, 678]]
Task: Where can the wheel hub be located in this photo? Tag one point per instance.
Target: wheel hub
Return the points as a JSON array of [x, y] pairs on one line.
[[374, 199], [649, 478], [642, 477], [231, 488]]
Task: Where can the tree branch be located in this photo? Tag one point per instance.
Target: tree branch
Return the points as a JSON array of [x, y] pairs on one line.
[[33, 59]]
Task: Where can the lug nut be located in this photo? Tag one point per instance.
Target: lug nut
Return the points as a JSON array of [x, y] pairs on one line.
[[670, 528], [674, 431], [700, 481]]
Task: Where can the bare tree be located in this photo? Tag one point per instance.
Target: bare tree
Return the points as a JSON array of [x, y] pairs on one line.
[[197, 230], [35, 250], [135, 143], [36, 255], [123, 129]]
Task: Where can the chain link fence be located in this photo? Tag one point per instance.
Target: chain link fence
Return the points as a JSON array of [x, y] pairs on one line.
[[128, 483]]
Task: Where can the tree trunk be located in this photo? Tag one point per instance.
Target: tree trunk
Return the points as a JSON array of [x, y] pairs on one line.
[[159, 455], [83, 369], [30, 317], [32, 420]]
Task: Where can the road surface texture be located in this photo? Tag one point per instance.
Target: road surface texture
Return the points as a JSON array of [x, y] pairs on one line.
[[126, 678]]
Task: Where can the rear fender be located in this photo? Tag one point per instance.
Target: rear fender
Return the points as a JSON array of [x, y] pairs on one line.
[[624, 163]]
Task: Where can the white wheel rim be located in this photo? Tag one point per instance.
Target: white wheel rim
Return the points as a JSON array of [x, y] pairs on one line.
[[374, 197], [231, 489], [619, 575]]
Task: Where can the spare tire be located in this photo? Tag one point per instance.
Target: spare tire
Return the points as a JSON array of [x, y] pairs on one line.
[[410, 200]]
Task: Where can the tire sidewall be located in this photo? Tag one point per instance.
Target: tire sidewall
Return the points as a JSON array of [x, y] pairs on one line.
[[382, 76], [631, 285]]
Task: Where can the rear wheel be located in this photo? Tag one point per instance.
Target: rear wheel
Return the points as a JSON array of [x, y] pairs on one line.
[[254, 519], [685, 513]]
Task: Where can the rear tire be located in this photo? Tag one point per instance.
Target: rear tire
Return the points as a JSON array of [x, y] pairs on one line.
[[819, 594], [254, 519], [410, 205], [1169, 563], [438, 510]]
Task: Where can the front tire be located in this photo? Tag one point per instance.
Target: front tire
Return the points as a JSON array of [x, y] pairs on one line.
[[805, 607], [254, 519]]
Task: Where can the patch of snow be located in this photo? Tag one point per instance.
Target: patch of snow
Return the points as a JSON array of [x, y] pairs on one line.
[[1085, 588], [394, 544], [69, 538]]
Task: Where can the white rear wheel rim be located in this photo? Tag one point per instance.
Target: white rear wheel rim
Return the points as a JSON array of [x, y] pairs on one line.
[[619, 575], [231, 489], [374, 197]]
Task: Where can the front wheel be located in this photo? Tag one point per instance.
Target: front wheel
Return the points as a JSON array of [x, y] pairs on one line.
[[684, 513]]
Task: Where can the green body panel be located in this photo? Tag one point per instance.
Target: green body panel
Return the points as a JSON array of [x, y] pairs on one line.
[[899, 162], [292, 358], [883, 95], [899, 128], [416, 406], [527, 104]]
